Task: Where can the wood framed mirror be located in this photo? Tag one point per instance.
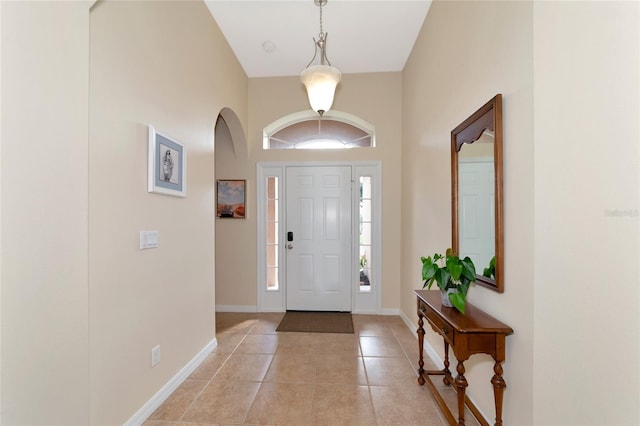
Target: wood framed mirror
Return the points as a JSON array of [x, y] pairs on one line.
[[476, 193]]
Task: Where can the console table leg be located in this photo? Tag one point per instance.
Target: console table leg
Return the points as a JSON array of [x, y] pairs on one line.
[[499, 386], [420, 349], [461, 384], [447, 373]]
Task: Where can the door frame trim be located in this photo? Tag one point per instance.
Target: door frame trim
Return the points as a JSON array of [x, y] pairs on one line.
[[275, 300]]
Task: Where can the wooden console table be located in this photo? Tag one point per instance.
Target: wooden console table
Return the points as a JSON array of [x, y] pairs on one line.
[[472, 333]]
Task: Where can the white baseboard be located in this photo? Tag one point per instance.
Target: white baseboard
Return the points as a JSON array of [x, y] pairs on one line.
[[272, 310], [236, 308], [364, 312], [147, 409], [390, 312]]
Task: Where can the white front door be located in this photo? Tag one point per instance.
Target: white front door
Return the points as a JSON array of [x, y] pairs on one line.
[[318, 215], [477, 221]]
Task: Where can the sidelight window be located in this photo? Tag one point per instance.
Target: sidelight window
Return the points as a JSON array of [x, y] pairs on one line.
[[364, 262], [273, 244]]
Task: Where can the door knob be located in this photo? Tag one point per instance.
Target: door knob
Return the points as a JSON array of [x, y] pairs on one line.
[[289, 246]]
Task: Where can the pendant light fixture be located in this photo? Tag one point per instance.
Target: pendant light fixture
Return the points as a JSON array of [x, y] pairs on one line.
[[320, 79]]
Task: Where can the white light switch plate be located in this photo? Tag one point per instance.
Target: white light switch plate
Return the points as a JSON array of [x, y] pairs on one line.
[[148, 239], [155, 356]]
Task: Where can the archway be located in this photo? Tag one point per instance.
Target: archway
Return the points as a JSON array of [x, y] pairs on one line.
[[230, 162]]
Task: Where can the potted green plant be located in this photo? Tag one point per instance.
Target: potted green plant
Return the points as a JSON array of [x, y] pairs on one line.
[[453, 276], [364, 278]]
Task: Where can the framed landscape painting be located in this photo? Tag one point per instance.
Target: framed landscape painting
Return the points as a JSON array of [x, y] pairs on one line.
[[231, 198], [167, 167]]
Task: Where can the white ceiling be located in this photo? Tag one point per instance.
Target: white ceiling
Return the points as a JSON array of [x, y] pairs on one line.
[[362, 36]]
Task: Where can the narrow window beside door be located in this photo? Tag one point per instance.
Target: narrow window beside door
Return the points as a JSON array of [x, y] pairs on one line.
[[365, 234], [272, 233]]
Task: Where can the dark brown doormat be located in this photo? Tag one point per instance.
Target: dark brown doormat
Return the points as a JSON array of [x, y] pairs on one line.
[[316, 322]]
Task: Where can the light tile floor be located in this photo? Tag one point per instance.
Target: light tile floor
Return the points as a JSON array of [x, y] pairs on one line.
[[257, 376]]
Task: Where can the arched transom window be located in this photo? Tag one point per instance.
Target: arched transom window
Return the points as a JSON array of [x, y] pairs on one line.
[[307, 130]]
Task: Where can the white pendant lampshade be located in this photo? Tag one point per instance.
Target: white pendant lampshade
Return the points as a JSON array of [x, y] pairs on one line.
[[321, 82], [321, 79]]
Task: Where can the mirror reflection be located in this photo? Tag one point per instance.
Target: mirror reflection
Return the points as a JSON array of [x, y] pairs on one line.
[[476, 202], [476, 189]]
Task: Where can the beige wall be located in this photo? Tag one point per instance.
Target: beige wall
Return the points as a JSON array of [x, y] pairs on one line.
[[587, 193], [571, 193], [81, 306], [45, 342], [465, 54], [372, 97], [167, 64]]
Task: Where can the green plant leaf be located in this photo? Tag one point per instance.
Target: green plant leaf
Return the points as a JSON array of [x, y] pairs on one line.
[[469, 270], [428, 271], [463, 288], [458, 301], [454, 267], [442, 277], [491, 270]]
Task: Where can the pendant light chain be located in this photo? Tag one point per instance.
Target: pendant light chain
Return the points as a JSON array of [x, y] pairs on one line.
[[321, 35]]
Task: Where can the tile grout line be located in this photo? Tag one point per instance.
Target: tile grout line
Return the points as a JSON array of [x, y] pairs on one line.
[[244, 419], [214, 374], [366, 374]]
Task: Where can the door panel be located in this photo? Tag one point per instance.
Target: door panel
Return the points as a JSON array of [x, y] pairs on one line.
[[318, 207], [477, 224]]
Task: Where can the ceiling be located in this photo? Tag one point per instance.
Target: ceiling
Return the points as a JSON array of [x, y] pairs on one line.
[[275, 38]]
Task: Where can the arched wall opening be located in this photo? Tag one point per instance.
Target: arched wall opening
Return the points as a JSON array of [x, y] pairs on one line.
[[230, 128], [230, 162]]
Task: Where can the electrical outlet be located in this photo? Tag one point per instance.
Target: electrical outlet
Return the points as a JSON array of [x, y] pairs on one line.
[[155, 356]]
